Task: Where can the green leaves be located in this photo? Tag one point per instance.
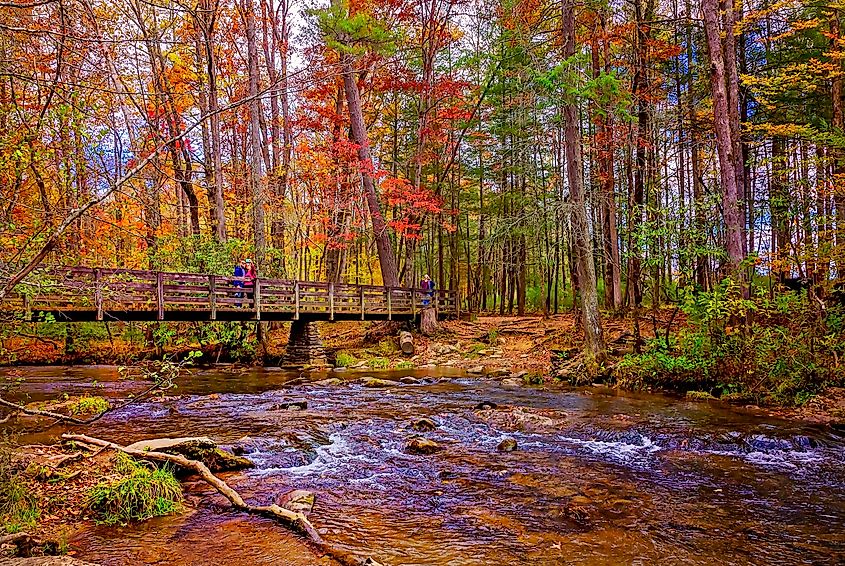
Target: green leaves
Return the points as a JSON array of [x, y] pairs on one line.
[[354, 34]]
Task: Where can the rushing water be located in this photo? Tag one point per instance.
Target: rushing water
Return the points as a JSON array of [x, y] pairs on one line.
[[599, 477]]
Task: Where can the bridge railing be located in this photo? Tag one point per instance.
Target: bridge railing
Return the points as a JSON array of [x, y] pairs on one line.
[[158, 292]]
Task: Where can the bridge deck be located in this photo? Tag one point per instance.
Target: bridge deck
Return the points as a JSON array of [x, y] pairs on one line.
[[84, 294]]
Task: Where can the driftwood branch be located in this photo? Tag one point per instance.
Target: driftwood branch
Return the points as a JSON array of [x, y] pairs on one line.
[[74, 420], [297, 522]]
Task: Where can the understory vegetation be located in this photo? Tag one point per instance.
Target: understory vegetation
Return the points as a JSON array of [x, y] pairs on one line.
[[142, 490], [771, 348], [18, 508]]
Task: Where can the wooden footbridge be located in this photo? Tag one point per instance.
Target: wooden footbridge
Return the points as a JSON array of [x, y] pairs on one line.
[[74, 294]]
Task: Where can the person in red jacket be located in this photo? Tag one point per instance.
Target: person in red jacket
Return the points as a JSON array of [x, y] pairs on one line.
[[250, 275]]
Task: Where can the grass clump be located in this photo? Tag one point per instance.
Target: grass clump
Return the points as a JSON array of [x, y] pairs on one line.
[[18, 508], [699, 396], [378, 363], [88, 405], [143, 491], [344, 359], [405, 364]]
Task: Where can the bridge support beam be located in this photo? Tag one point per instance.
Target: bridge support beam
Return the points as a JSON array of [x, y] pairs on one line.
[[304, 344]]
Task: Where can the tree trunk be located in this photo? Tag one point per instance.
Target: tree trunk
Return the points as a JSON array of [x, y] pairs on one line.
[[594, 347], [733, 221], [256, 160], [387, 259]]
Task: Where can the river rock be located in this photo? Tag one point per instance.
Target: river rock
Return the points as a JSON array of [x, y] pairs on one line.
[[423, 425], [485, 406], [408, 380], [376, 382], [329, 382], [513, 381], [477, 370], [507, 445], [298, 501], [420, 445], [296, 405], [196, 448], [518, 374], [498, 372]]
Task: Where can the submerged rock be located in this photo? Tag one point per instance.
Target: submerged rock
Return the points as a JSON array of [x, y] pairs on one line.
[[196, 448], [328, 382], [376, 382], [297, 405], [507, 445], [423, 425], [498, 372], [420, 445], [298, 501]]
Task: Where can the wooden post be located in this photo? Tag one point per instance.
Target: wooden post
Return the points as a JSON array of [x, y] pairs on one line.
[[296, 300], [27, 306], [331, 301], [361, 289], [212, 296], [160, 294], [389, 304], [257, 299], [98, 293]]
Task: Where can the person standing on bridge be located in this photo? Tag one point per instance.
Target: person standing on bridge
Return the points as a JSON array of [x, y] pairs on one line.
[[250, 275], [427, 286], [238, 281]]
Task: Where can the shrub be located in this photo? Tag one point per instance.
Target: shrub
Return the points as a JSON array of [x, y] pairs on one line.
[[143, 491], [344, 359], [87, 405]]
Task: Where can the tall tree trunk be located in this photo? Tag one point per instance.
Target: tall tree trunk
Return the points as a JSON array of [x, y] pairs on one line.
[[256, 159], [218, 205], [594, 347], [734, 234], [387, 259]]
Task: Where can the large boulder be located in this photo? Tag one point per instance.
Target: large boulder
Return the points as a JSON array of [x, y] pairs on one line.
[[507, 445], [420, 445], [199, 448], [423, 424]]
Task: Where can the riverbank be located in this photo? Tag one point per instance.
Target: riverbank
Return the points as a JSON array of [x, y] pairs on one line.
[[778, 371]]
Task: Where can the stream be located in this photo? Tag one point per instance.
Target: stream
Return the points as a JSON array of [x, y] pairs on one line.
[[599, 476]]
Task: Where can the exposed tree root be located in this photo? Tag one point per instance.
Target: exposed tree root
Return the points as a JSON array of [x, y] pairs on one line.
[[297, 522]]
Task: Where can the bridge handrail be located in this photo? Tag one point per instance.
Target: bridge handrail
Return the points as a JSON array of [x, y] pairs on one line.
[[102, 289]]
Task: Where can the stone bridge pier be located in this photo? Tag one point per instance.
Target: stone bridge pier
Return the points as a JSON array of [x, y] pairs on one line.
[[304, 344]]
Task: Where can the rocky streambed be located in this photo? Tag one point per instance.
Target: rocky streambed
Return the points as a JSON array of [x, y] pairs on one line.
[[444, 468]]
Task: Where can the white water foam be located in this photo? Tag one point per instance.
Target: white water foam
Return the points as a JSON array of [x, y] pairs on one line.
[[618, 451]]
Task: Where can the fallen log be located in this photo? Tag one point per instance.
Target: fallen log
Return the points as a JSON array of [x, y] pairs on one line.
[[297, 522], [406, 342]]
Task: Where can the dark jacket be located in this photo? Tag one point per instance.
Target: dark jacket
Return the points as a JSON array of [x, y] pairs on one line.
[[239, 272]]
